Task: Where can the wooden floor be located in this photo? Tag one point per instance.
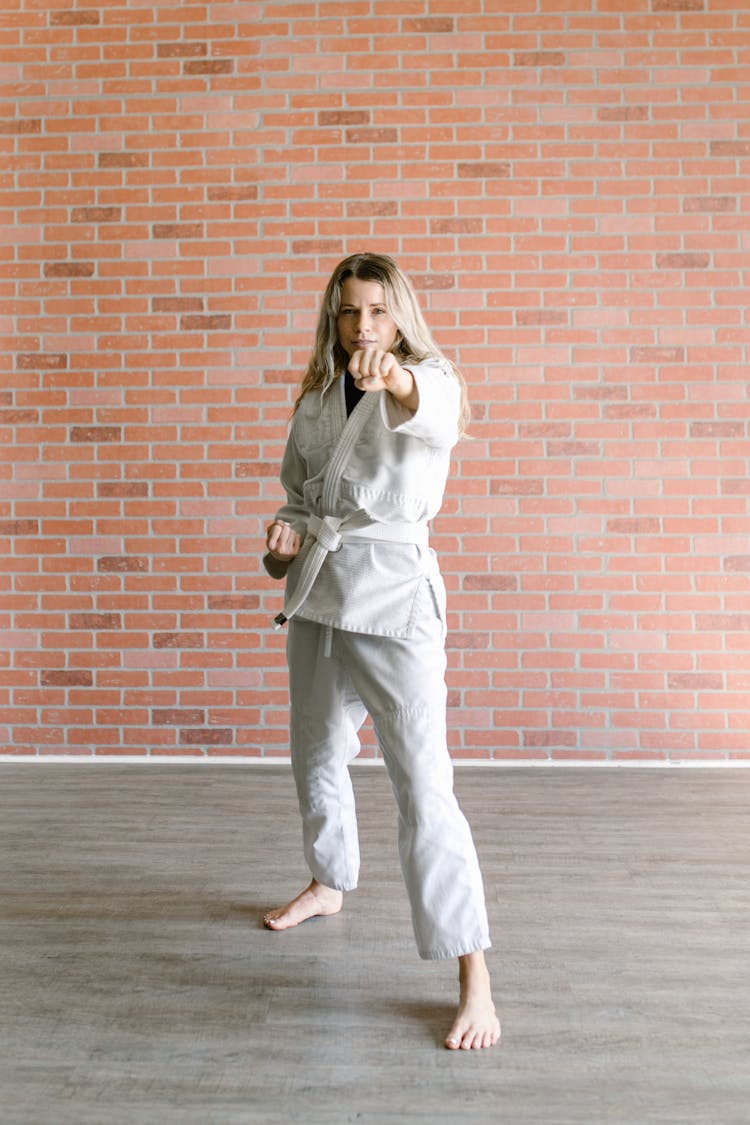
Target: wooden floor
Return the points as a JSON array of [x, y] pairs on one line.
[[138, 987]]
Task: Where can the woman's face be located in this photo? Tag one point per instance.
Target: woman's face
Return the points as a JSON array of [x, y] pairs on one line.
[[363, 320]]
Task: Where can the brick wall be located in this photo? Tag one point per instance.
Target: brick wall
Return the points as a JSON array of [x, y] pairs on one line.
[[567, 183]]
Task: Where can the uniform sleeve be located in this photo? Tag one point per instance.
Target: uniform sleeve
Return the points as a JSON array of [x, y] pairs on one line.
[[294, 511], [435, 421]]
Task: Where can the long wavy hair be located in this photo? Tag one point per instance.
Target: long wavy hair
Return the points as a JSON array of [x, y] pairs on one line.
[[413, 344]]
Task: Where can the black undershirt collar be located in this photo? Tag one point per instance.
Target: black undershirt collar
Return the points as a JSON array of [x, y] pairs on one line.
[[353, 394]]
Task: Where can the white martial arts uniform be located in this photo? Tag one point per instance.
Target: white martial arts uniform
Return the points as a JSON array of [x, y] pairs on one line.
[[366, 604]]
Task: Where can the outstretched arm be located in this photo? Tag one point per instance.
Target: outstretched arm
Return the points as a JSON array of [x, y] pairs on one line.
[[375, 370]]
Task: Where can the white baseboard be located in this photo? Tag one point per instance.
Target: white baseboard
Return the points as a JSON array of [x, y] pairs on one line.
[[459, 763]]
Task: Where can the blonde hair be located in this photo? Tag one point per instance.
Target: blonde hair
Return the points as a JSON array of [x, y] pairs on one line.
[[413, 343]]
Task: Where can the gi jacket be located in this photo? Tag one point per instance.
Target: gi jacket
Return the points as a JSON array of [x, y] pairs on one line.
[[360, 490]]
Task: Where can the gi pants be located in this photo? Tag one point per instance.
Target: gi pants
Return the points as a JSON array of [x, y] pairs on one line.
[[336, 678]]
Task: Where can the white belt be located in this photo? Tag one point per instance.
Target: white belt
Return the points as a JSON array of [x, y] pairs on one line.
[[329, 532]]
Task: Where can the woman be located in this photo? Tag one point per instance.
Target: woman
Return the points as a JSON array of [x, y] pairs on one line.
[[365, 467]]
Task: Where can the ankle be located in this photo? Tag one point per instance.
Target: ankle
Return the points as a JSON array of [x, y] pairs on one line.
[[324, 893], [472, 968]]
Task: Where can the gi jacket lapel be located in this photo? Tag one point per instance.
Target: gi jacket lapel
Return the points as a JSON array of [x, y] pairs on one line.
[[348, 430]]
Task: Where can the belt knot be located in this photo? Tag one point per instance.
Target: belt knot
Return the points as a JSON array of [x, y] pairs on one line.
[[326, 532]]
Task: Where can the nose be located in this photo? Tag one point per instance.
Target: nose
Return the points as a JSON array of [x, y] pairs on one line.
[[363, 321]]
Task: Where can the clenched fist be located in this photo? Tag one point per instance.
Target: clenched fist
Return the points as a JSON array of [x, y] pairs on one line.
[[376, 370], [282, 541]]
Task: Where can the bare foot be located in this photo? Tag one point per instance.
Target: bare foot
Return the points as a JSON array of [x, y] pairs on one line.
[[314, 901], [476, 1025]]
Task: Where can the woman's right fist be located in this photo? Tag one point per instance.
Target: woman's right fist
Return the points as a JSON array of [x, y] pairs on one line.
[[282, 541]]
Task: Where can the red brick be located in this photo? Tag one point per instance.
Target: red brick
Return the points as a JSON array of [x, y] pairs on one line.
[[730, 148], [718, 203], [123, 160], [371, 136], [95, 433], [178, 640], [96, 215], [490, 582], [67, 678], [83, 17], [233, 601], [718, 429], [177, 304], [678, 261], [122, 563], [484, 170], [430, 25], [623, 113], [327, 117], [95, 621], [19, 527], [657, 355], [208, 736], [33, 361], [69, 269], [679, 5], [206, 323], [177, 230], [174, 717], [722, 622], [232, 194], [25, 126], [539, 58], [123, 489], [209, 66], [516, 486], [181, 50], [634, 525]]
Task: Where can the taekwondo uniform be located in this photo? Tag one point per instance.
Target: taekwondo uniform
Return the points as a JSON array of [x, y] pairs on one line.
[[365, 603]]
